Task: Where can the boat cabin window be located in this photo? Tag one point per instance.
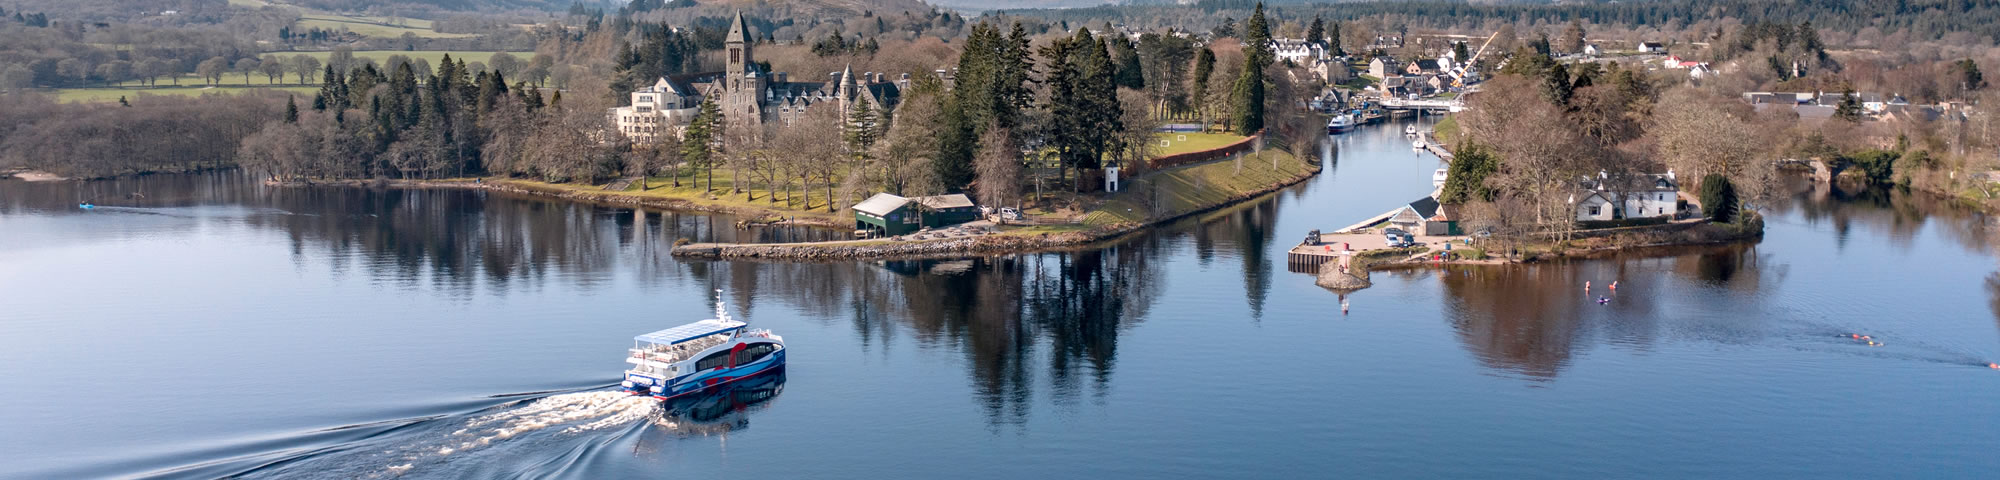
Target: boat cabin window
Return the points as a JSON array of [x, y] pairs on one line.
[[754, 352], [713, 360]]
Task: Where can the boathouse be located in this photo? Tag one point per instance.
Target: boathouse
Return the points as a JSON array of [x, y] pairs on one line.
[[1426, 217], [890, 215]]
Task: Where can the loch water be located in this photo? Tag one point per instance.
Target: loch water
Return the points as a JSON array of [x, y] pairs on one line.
[[219, 327]]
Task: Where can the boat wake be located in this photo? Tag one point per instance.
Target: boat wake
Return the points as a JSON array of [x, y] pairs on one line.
[[458, 445]]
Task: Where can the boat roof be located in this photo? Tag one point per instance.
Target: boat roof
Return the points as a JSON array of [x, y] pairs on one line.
[[690, 331]]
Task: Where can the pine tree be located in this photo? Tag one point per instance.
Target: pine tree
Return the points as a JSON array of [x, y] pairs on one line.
[[863, 128], [1204, 67], [1248, 95], [1316, 33], [291, 108], [1849, 108], [1556, 86], [698, 141], [1970, 78], [1333, 40]]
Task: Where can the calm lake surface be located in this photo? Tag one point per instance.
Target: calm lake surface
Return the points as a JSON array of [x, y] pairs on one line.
[[217, 327]]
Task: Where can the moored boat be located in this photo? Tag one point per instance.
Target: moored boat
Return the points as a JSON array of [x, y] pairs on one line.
[[698, 356], [1340, 124], [1410, 130]]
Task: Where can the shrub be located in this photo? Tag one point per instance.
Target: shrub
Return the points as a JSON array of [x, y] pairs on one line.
[[1718, 198]]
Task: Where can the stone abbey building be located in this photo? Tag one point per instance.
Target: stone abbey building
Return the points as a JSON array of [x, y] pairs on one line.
[[747, 95]]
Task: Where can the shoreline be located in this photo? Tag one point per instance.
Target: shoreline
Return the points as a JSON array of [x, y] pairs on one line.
[[1016, 241], [1651, 241], [531, 188]]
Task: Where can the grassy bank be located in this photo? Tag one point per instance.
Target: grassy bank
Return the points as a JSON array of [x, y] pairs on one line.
[[1179, 191], [1178, 143]]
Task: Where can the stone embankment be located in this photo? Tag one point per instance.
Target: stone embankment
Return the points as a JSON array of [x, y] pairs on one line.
[[882, 248]]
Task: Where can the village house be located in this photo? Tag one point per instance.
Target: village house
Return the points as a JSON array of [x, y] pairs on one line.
[[1622, 197], [1592, 50], [748, 95], [1423, 67], [1382, 67], [1298, 51], [1652, 47]]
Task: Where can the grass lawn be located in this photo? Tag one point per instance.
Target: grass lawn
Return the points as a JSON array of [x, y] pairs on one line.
[[133, 93], [290, 79], [432, 56], [1178, 143], [1181, 190], [384, 27], [1446, 130]]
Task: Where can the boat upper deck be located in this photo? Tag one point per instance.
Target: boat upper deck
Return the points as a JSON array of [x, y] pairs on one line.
[[690, 331]]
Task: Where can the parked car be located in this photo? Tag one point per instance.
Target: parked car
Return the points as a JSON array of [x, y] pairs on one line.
[[1010, 213], [1399, 238]]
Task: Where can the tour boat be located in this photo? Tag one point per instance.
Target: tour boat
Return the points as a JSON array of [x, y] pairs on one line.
[[1340, 124], [691, 358]]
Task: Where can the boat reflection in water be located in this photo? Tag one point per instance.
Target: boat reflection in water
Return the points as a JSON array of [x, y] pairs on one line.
[[721, 410]]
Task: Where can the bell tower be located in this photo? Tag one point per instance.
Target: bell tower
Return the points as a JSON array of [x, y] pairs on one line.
[[738, 46]]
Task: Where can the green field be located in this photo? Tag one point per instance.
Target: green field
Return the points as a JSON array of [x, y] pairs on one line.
[[374, 26], [112, 94], [1181, 190], [432, 56], [1178, 143], [257, 79]]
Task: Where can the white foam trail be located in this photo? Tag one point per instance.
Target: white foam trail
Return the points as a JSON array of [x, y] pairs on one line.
[[602, 409]]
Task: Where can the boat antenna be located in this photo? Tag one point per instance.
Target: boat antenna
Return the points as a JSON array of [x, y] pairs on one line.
[[721, 310]]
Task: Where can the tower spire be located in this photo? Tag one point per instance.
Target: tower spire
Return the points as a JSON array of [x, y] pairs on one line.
[[739, 32]]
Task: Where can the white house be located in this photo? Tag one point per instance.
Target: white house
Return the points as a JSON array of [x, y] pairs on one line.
[[1652, 47], [1297, 50], [1592, 50], [1593, 206], [1638, 196]]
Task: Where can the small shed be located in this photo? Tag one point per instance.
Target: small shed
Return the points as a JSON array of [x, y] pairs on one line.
[[890, 215], [1426, 217]]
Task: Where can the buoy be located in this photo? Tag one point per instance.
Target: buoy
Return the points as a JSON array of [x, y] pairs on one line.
[[1995, 366]]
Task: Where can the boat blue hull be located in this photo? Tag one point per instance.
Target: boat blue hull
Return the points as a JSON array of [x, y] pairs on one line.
[[708, 379]]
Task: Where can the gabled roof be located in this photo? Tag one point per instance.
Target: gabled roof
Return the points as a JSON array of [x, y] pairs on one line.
[[956, 200], [1426, 207], [881, 204], [1427, 64]]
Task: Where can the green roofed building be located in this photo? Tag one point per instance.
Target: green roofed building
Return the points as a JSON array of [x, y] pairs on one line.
[[890, 215]]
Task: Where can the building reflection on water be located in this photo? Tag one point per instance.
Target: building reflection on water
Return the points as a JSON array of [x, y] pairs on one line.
[[1048, 321]]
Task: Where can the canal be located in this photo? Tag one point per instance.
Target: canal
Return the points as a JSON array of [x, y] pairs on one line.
[[217, 327]]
